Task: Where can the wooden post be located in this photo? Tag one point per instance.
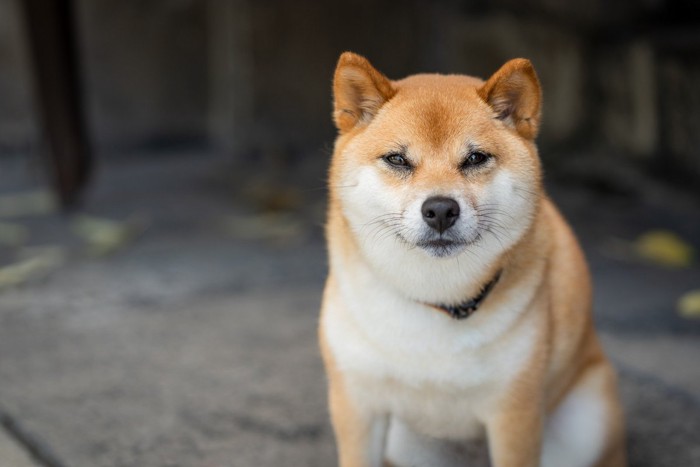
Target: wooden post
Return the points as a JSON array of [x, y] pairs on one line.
[[59, 101]]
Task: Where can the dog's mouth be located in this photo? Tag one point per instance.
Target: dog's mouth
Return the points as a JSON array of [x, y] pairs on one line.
[[439, 243], [442, 247]]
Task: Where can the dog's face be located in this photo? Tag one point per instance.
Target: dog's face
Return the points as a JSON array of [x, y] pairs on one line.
[[436, 167]]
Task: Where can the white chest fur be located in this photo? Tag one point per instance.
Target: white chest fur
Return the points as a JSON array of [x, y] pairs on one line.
[[404, 358]]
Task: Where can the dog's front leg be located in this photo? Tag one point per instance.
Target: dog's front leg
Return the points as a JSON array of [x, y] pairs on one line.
[[515, 437], [360, 434]]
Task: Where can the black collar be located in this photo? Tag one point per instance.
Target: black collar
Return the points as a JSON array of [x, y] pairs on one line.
[[468, 307]]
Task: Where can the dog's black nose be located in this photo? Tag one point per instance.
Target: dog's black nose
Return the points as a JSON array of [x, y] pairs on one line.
[[440, 213]]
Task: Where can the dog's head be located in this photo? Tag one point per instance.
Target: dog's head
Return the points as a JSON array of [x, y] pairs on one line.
[[434, 167]]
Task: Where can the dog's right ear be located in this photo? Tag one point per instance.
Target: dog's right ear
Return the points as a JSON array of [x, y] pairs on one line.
[[359, 91]]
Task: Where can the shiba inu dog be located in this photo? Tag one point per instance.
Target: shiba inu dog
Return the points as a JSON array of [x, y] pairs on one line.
[[458, 304]]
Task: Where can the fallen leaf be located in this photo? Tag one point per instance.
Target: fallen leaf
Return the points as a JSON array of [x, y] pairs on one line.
[[30, 203], [273, 197], [664, 247], [36, 263], [269, 226], [689, 304], [105, 236], [12, 234]]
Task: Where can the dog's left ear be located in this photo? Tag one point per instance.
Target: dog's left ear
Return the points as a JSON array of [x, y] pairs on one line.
[[514, 94], [359, 91]]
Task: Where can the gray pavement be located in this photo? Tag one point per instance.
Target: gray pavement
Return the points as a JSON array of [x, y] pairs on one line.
[[194, 343], [13, 454]]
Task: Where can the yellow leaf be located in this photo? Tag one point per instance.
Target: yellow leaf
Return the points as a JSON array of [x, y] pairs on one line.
[[12, 234], [689, 304], [30, 203], [104, 236], [269, 226], [664, 247], [37, 262]]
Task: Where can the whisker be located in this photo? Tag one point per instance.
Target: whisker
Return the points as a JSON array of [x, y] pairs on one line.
[[492, 210], [525, 190], [489, 224], [498, 239]]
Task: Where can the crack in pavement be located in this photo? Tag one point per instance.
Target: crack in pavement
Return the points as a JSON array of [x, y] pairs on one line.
[[37, 449]]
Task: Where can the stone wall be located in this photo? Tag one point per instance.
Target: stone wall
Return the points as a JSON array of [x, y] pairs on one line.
[[250, 77]]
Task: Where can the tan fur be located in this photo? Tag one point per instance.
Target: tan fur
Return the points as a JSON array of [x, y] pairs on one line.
[[430, 115]]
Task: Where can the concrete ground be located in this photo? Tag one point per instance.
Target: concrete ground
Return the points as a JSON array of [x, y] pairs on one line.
[[193, 342]]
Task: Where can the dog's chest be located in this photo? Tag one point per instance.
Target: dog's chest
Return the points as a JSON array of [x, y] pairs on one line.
[[440, 412], [430, 370]]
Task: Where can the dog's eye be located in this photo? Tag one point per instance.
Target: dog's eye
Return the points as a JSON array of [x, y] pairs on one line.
[[475, 158], [397, 160]]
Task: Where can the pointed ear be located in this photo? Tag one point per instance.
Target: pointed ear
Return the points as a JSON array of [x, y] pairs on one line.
[[359, 92], [514, 94]]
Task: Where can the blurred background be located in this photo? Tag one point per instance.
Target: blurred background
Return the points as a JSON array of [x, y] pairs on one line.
[[162, 197]]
